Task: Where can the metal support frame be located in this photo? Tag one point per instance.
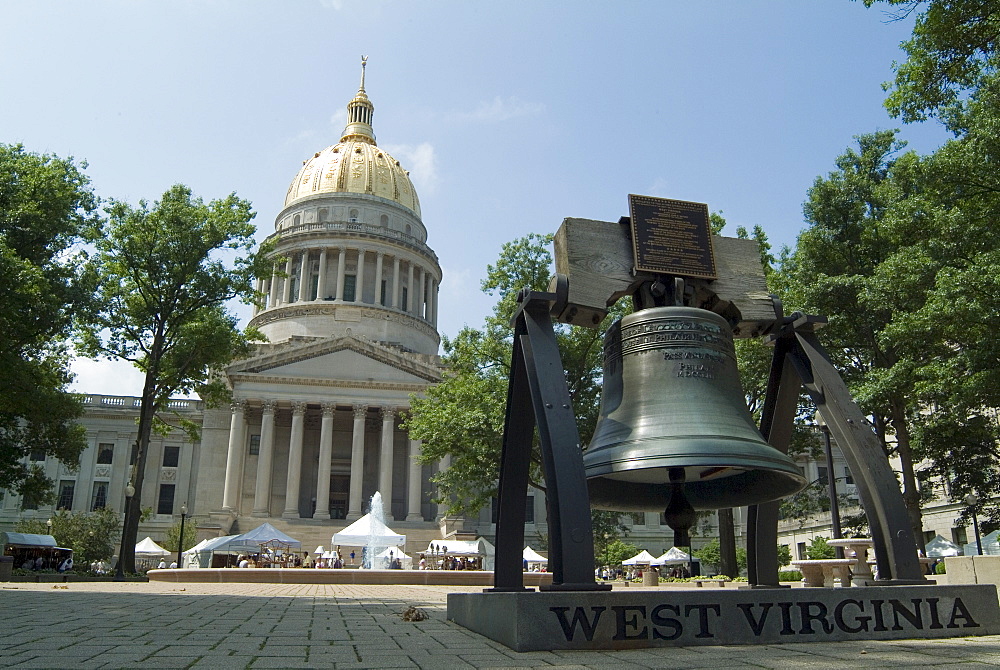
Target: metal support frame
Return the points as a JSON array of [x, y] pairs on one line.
[[801, 362], [537, 394]]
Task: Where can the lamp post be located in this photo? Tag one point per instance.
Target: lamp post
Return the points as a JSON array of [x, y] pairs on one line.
[[832, 482], [119, 569], [972, 500], [180, 538], [48, 524]]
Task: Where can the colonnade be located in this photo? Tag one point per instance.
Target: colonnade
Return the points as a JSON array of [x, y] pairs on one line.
[[265, 461], [421, 299]]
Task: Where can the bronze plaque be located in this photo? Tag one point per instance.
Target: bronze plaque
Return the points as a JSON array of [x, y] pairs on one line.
[[672, 237]]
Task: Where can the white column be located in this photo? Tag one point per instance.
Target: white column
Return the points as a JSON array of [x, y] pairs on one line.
[[234, 458], [341, 269], [258, 287], [395, 282], [378, 277], [434, 302], [321, 282], [325, 457], [273, 297], [359, 282], [304, 276], [286, 292], [294, 461], [421, 312], [413, 484], [385, 460], [262, 490], [409, 288], [354, 509]]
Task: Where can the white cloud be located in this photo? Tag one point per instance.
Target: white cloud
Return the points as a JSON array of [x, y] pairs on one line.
[[660, 188], [106, 377], [502, 109], [339, 119], [420, 160]]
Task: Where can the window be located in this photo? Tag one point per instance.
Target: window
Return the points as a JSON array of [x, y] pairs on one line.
[[165, 502], [353, 216], [638, 518], [381, 299], [822, 477], [37, 455], [849, 479], [384, 221], [66, 489], [323, 213], [350, 283], [929, 535], [255, 445], [99, 498], [105, 453], [132, 454], [959, 537], [403, 302], [171, 456], [800, 551], [408, 229]]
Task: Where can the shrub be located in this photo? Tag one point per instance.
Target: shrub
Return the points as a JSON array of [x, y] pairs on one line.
[[789, 576]]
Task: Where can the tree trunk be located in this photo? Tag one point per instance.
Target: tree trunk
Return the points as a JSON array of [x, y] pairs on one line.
[[727, 544], [911, 494]]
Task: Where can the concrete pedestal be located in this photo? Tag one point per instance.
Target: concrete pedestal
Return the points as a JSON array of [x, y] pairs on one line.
[[530, 621]]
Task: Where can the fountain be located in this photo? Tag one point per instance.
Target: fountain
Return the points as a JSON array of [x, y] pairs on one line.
[[376, 543]]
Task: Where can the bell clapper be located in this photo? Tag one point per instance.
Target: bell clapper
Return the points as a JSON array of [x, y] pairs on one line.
[[680, 515]]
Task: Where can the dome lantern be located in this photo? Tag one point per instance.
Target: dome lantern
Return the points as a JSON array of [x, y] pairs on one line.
[[359, 114]]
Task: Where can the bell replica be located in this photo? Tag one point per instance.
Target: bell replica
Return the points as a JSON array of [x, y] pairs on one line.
[[674, 432]]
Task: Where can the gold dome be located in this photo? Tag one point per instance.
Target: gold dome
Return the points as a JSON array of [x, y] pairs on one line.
[[355, 164]]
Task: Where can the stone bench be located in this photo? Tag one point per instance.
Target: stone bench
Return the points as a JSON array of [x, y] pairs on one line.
[[702, 582], [822, 571]]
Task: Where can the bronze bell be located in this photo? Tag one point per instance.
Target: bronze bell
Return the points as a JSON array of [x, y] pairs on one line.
[[675, 431]]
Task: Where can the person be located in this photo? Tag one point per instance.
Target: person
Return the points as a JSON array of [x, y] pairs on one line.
[[244, 563], [67, 564], [39, 563], [422, 563], [173, 565], [337, 563], [162, 565]]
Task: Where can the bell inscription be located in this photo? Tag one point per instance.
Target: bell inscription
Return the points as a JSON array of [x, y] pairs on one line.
[[672, 237]]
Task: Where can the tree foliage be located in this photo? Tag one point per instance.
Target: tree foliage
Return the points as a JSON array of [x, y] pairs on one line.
[[91, 535], [819, 548], [165, 273], [46, 206], [174, 536], [616, 551]]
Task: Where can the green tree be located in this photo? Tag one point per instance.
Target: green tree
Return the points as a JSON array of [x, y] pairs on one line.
[[165, 274], [608, 527], [174, 537], [951, 55], [617, 551], [819, 548], [91, 535], [46, 206]]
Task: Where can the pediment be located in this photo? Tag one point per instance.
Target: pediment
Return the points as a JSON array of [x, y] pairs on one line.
[[346, 359]]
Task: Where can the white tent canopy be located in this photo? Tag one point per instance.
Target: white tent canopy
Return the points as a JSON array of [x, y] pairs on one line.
[[991, 545], [359, 533], [532, 556], [642, 558], [673, 555], [393, 554], [148, 548], [939, 546], [479, 547]]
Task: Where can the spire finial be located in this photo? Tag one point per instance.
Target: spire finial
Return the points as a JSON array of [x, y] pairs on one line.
[[364, 62]]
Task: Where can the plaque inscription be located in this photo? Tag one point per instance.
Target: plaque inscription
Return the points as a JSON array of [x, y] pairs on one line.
[[672, 237]]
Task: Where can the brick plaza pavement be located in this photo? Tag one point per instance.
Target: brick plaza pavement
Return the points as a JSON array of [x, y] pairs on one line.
[[221, 626]]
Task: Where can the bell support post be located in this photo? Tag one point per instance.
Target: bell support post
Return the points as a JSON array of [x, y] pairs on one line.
[[537, 375], [801, 362]]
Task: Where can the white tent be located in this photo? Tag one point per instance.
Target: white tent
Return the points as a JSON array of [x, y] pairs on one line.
[[532, 556], [200, 555], [991, 545], [393, 554], [359, 533], [147, 548], [939, 546], [672, 556], [642, 558]]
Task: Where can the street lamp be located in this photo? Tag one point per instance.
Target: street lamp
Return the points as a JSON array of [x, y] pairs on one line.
[[48, 524], [180, 539], [832, 482], [972, 500], [119, 566]]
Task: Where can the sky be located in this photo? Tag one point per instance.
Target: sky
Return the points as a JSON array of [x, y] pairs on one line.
[[510, 116]]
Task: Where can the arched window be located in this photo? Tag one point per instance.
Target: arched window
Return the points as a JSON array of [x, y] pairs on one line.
[[408, 229], [323, 214], [354, 216], [296, 220], [384, 221]]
